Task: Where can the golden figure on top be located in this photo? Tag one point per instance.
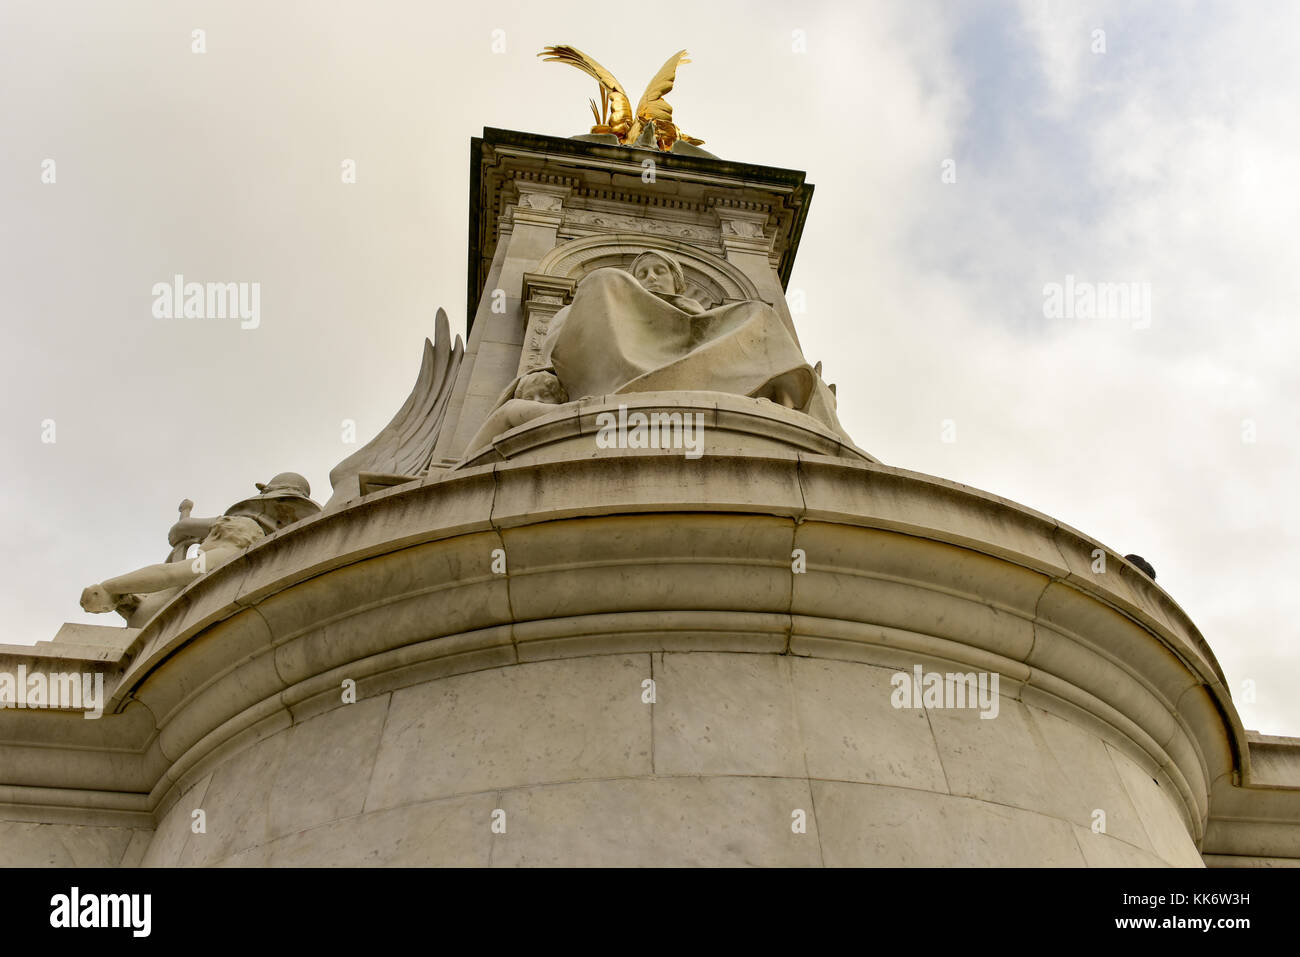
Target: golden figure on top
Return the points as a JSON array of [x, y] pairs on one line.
[[615, 115]]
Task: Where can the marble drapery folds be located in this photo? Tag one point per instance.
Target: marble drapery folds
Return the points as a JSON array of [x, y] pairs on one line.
[[618, 337]]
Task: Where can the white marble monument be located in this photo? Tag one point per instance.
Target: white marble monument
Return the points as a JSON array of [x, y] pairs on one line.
[[615, 587]]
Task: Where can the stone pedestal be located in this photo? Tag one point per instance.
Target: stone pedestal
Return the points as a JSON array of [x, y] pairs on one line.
[[501, 623]]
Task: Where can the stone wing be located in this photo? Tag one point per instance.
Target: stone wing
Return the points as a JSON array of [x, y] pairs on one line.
[[405, 446]]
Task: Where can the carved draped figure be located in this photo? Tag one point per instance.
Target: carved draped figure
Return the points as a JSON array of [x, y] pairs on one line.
[[616, 337]]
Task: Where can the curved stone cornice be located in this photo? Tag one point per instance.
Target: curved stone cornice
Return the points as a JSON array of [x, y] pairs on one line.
[[634, 550]]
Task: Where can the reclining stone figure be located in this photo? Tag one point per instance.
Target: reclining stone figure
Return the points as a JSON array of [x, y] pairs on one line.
[[280, 502], [138, 595]]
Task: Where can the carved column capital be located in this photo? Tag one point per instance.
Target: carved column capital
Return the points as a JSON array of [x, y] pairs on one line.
[[540, 203], [542, 297], [744, 230]]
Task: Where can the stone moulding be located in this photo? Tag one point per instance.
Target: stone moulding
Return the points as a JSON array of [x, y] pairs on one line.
[[705, 270], [729, 423], [645, 550]]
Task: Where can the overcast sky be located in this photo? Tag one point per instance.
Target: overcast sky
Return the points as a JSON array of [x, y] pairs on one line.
[[1169, 159]]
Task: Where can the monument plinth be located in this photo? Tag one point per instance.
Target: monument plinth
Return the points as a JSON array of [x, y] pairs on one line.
[[682, 620]]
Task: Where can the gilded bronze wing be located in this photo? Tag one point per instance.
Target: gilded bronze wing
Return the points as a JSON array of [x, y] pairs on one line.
[[653, 106], [618, 107]]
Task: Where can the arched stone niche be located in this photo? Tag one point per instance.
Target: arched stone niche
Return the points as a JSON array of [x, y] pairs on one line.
[[709, 279]]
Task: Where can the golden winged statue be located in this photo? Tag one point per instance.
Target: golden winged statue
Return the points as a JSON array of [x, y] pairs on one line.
[[615, 114]]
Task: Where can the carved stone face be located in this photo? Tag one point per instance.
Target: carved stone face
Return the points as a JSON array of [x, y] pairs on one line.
[[234, 530], [655, 275]]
